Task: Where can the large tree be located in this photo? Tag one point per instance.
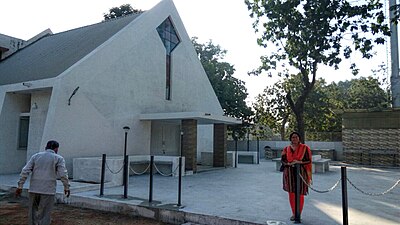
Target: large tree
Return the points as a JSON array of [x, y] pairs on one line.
[[307, 33], [273, 110], [323, 105], [231, 92], [362, 93], [123, 10]]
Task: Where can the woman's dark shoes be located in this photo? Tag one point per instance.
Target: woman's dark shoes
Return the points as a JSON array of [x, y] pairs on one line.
[[292, 218]]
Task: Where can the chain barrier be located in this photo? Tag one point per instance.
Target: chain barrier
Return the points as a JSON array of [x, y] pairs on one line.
[[374, 194], [137, 173], [319, 191], [113, 171], [163, 174], [352, 184]]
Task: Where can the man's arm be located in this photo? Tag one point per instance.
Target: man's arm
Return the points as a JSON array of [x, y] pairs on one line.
[[24, 175], [62, 172]]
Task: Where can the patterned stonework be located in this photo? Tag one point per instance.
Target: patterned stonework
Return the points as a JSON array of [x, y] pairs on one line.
[[380, 147]]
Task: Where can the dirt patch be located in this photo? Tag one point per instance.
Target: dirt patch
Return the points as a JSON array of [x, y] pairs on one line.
[[14, 211]]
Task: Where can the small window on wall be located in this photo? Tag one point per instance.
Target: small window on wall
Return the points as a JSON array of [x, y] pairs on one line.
[[23, 132]]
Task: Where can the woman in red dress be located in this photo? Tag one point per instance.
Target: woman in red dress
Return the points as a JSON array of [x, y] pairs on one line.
[[296, 153]]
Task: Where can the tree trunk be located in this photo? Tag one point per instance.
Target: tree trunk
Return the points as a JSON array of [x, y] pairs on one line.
[[282, 129], [298, 110], [300, 126]]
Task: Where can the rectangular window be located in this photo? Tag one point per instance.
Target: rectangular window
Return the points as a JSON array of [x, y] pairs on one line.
[[168, 79], [23, 132]]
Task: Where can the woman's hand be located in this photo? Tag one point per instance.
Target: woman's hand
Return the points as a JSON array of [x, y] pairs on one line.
[[296, 162]]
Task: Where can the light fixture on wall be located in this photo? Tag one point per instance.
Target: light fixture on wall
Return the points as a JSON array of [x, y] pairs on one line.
[[26, 84]]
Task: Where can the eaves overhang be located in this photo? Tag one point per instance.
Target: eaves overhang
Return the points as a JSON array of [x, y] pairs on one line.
[[201, 117]]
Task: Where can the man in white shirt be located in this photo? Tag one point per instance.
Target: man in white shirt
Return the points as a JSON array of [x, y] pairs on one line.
[[44, 168]]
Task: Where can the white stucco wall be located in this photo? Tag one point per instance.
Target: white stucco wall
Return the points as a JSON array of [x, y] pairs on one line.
[[205, 140], [14, 100], [12, 159], [38, 114], [165, 139]]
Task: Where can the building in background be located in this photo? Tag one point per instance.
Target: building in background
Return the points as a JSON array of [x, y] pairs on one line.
[[82, 86]]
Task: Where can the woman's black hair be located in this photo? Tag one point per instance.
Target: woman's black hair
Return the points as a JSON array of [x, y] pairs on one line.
[[290, 136], [52, 145]]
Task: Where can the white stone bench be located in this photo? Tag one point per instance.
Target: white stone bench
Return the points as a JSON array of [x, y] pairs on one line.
[[247, 157], [319, 165], [89, 169], [165, 164], [277, 163]]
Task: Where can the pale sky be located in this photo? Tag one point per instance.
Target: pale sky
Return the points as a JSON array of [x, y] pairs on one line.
[[225, 22]]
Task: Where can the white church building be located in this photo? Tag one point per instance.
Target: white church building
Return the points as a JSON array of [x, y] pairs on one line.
[[82, 86]]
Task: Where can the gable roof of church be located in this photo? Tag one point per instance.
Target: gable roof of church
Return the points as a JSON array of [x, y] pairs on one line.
[[53, 54]]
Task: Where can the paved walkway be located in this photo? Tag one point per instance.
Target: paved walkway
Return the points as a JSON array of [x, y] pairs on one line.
[[249, 194]]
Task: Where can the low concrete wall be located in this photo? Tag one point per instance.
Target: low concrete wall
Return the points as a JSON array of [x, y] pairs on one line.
[[89, 169], [207, 158], [325, 153], [242, 146], [161, 162], [247, 157]]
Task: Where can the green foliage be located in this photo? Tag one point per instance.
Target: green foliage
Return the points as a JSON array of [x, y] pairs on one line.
[[314, 31], [306, 33], [363, 93], [271, 108], [231, 92], [123, 10], [395, 9], [321, 107]]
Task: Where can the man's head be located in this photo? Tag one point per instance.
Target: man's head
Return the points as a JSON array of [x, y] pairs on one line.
[[53, 145]]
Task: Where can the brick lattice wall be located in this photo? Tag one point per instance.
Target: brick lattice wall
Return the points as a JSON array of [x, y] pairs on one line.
[[378, 147], [219, 156], [189, 144], [372, 138]]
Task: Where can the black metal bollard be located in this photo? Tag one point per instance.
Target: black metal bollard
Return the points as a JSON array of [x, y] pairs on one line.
[[297, 218], [344, 196], [236, 151], [151, 179], [103, 171], [180, 182], [258, 150], [126, 175]]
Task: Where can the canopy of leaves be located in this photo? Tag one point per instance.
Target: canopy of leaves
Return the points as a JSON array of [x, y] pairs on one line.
[[271, 108], [123, 10], [319, 115], [309, 32], [395, 12], [362, 93], [306, 33], [231, 92]]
